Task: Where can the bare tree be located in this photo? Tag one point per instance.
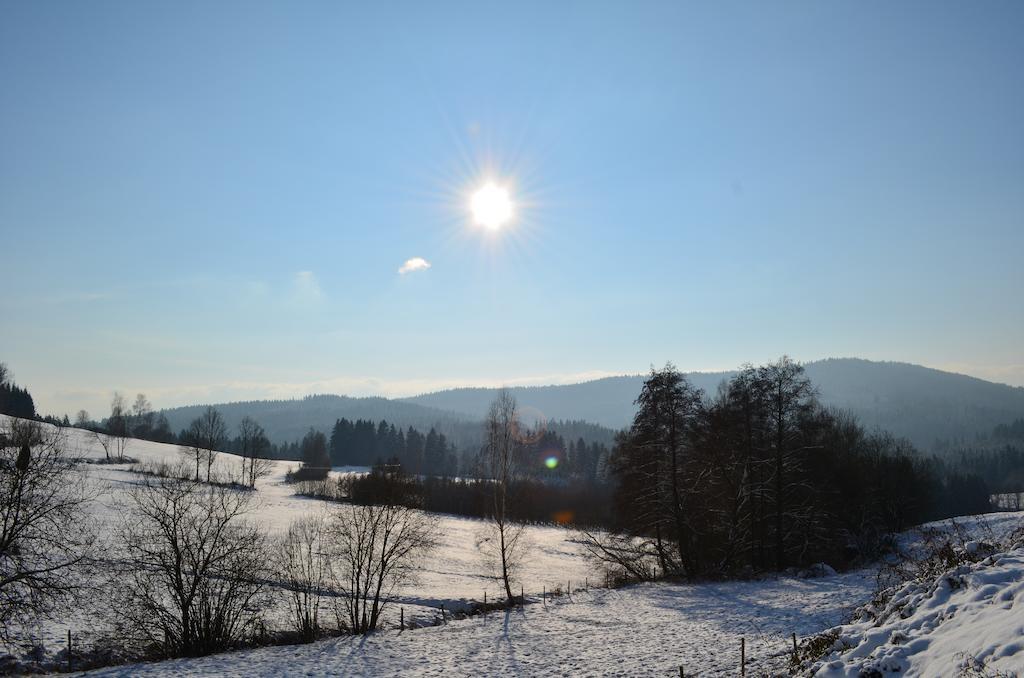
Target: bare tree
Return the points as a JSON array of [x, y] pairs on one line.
[[194, 567], [82, 419], [205, 436], [142, 416], [118, 427], [790, 399], [45, 531], [376, 550], [303, 565], [506, 544], [254, 445]]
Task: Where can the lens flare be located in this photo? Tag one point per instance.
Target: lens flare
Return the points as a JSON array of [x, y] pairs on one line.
[[563, 517], [551, 462]]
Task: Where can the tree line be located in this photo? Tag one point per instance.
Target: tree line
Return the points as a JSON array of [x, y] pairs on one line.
[[761, 477], [362, 443], [14, 400], [997, 459]]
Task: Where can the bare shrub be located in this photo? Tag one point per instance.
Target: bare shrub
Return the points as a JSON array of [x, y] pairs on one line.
[[194, 568], [328, 488], [618, 554], [303, 565], [164, 469], [376, 549], [45, 533]]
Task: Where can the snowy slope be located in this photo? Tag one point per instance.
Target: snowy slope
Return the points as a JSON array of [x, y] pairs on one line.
[[969, 617], [452, 575]]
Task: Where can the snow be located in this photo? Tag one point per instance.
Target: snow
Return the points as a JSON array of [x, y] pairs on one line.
[[453, 575], [970, 616], [648, 629]]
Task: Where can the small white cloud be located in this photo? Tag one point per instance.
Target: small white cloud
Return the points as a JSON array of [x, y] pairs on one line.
[[414, 264], [306, 286]]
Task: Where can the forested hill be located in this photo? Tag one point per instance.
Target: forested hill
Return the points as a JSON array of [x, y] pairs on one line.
[[288, 420], [919, 403]]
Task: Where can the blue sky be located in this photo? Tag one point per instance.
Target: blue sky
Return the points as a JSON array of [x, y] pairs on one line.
[[213, 200]]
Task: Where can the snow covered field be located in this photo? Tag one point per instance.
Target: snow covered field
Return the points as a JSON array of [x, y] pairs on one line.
[[648, 629], [452, 575]]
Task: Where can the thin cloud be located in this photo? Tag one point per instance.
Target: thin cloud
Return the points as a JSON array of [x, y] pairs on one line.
[[306, 286], [414, 264]]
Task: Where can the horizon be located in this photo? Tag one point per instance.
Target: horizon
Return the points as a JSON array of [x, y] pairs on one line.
[[251, 200], [409, 390]]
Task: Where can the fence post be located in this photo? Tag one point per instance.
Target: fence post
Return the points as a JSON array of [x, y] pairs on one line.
[[743, 656], [401, 623], [522, 595], [69, 650], [443, 619], [682, 674], [544, 594], [485, 597], [794, 644]]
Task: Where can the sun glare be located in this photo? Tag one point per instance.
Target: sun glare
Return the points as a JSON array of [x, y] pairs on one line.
[[491, 206]]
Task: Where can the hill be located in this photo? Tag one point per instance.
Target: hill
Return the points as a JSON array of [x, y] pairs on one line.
[[922, 404]]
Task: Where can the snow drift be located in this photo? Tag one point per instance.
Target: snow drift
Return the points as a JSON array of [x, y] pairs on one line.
[[967, 621]]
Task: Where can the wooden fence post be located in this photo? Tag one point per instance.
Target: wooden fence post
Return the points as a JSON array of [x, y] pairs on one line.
[[682, 674], [69, 650], [401, 623], [743, 656], [794, 645]]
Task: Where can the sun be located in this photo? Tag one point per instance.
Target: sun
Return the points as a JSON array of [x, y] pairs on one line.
[[491, 206]]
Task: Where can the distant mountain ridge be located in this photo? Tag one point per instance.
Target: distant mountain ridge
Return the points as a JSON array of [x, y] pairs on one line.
[[922, 404]]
